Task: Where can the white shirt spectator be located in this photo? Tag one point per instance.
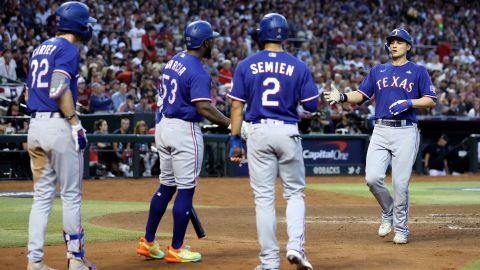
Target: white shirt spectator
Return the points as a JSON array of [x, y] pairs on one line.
[[135, 36], [8, 69]]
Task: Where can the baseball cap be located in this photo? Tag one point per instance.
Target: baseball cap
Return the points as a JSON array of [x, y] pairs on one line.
[[118, 55], [80, 80], [121, 45]]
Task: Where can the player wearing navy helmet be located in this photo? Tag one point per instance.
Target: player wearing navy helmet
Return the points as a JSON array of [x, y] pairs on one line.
[[399, 87], [185, 101], [273, 83], [56, 138]]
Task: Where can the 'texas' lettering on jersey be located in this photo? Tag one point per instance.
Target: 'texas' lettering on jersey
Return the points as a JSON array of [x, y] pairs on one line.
[[394, 81], [272, 67]]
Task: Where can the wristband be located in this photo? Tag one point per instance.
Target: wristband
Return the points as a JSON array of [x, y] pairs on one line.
[[71, 116], [343, 98]]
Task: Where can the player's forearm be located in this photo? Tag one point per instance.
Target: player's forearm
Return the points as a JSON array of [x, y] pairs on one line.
[[423, 103], [212, 114], [354, 97], [65, 103], [236, 117]]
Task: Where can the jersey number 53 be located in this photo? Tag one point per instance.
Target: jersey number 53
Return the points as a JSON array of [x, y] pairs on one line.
[[173, 92]]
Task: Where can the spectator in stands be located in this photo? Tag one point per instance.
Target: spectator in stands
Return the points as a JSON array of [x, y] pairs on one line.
[[148, 157], [435, 160], [143, 106], [8, 65], [225, 74], [128, 105], [475, 110], [123, 150], [105, 151], [149, 42], [120, 96], [83, 95], [99, 101], [135, 34]]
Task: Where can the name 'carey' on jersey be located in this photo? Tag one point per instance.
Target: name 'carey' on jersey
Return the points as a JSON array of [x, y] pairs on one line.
[[395, 81], [176, 66], [272, 67]]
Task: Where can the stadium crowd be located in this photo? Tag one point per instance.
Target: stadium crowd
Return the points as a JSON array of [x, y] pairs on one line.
[[121, 67], [340, 41]]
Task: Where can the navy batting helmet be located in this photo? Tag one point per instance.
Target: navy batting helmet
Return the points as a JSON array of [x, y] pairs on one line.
[[273, 27], [74, 17], [197, 32]]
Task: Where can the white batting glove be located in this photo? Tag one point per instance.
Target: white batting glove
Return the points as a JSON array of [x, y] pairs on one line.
[[244, 130], [79, 136], [334, 96]]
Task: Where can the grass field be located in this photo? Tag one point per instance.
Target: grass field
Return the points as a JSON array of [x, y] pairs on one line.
[[15, 211], [421, 193]]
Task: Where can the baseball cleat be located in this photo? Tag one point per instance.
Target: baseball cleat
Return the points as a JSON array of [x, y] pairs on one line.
[[400, 239], [38, 266], [294, 257], [182, 255], [385, 228], [149, 249], [80, 264]]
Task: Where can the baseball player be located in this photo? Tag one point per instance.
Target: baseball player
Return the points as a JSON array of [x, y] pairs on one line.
[[272, 83], [56, 138], [399, 87], [186, 100]]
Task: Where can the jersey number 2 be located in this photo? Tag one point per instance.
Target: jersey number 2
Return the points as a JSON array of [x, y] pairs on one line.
[[173, 82], [270, 91], [43, 71]]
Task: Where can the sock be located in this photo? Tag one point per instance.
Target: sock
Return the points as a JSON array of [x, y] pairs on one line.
[[181, 217], [158, 205]]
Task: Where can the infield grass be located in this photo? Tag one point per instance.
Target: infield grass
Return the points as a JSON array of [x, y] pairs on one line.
[[15, 213], [472, 265], [421, 193]]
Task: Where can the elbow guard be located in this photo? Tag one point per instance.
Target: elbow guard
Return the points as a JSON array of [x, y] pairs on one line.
[[59, 83]]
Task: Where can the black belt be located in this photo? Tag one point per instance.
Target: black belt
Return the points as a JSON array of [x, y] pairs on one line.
[[47, 115], [394, 123], [273, 122]]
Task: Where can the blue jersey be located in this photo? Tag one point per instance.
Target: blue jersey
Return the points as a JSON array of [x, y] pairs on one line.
[[53, 55], [184, 82], [389, 83], [272, 84]]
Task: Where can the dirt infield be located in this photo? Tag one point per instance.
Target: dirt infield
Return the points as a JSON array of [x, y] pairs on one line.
[[341, 230]]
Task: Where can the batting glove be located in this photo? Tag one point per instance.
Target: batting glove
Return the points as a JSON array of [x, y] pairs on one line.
[[400, 106], [235, 146], [79, 136], [334, 96]]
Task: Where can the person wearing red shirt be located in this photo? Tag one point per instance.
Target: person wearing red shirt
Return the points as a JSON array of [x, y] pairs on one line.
[[148, 43]]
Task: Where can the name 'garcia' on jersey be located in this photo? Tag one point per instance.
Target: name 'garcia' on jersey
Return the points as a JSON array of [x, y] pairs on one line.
[[176, 66], [394, 82], [272, 67]]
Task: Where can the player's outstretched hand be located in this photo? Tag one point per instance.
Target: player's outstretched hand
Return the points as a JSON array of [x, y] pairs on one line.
[[236, 153], [79, 136], [333, 96], [400, 106], [244, 130]]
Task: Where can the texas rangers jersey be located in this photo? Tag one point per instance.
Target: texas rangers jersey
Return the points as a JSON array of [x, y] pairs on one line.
[[53, 55], [389, 83], [184, 82], [266, 81]]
